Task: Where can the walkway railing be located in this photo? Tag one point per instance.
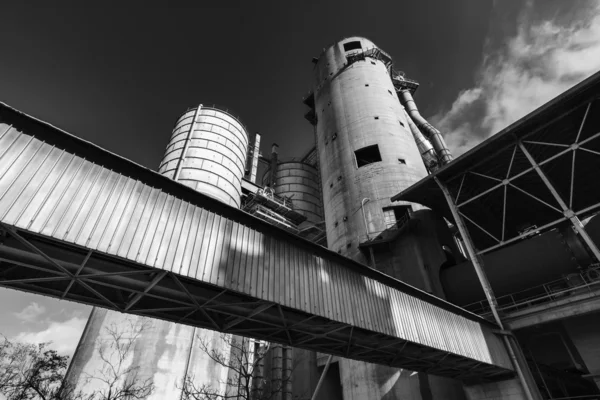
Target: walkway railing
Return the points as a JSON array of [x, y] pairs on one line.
[[576, 283]]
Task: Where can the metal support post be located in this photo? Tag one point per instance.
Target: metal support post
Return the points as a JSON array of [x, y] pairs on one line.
[[531, 392], [322, 378], [566, 210]]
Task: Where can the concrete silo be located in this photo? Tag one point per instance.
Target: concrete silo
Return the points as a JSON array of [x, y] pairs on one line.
[[366, 149], [207, 152], [367, 154]]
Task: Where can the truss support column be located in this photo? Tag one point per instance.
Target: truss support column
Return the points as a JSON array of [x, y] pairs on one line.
[[520, 365], [322, 378], [566, 210]]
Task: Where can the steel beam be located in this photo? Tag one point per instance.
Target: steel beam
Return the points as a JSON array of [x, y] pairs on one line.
[[531, 391], [570, 214]]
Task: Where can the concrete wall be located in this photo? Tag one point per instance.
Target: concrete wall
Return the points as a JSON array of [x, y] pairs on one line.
[[163, 353], [505, 390]]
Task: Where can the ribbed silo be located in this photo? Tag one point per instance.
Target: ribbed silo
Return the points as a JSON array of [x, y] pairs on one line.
[[366, 149], [207, 152], [300, 182]]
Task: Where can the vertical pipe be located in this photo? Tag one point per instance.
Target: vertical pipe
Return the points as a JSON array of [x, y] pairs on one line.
[[255, 155], [276, 373], [274, 162], [187, 143], [287, 373], [258, 373], [531, 392]]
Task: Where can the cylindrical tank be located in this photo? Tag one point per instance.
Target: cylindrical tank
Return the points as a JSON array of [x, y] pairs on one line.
[[366, 150], [207, 152], [367, 154], [300, 182], [207, 155]]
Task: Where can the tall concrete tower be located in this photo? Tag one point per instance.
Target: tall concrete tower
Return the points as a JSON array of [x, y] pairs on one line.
[[366, 149], [207, 152], [367, 154]]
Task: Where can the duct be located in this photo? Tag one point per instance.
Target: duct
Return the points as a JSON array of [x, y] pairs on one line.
[[430, 157], [430, 131]]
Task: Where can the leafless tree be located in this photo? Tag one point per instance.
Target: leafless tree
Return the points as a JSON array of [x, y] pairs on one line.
[[119, 379], [29, 372], [244, 358]]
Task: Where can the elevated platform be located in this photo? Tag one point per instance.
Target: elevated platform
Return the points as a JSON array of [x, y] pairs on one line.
[[82, 224]]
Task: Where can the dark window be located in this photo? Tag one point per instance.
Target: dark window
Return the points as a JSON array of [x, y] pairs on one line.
[[376, 117], [401, 123], [395, 216], [402, 161], [367, 155], [367, 84], [373, 62], [390, 92], [352, 46]]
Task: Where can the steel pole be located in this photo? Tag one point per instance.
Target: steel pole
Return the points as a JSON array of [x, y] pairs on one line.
[[322, 378], [531, 393], [566, 210]]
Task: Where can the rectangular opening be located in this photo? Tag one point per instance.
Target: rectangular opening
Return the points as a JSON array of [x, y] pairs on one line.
[[402, 161], [352, 46], [394, 217], [367, 155]]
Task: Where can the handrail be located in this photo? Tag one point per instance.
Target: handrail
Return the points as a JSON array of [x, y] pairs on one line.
[[548, 291]]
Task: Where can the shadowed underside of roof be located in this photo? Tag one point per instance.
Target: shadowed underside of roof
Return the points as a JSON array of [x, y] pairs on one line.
[[497, 187]]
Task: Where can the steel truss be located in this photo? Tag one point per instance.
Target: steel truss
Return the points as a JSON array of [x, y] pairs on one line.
[[40, 265], [542, 172]]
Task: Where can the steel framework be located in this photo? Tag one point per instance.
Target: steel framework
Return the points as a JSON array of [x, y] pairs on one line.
[[81, 224]]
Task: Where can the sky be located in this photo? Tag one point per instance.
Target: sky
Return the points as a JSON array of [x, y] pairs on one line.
[[121, 76]]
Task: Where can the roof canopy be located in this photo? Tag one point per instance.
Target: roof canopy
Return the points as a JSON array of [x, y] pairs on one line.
[[496, 186]]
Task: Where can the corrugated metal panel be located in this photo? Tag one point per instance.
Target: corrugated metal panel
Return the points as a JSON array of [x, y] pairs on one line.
[[48, 191]]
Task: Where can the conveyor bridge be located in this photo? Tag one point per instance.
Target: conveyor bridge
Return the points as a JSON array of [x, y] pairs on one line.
[[82, 224]]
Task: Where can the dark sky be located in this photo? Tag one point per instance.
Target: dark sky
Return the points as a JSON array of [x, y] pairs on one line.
[[120, 77]]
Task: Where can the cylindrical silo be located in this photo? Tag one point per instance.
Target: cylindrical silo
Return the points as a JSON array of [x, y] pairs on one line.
[[207, 152], [367, 154], [300, 182], [366, 150]]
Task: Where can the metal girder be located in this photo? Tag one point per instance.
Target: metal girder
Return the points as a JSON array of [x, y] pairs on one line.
[[159, 276], [570, 214]]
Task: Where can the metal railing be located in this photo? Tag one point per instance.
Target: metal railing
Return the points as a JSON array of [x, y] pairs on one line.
[[268, 193], [568, 285]]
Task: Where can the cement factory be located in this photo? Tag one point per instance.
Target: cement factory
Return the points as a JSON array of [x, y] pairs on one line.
[[372, 266]]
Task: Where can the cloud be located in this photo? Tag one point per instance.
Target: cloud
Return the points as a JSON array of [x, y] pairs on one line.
[[31, 312], [545, 57], [63, 335]]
